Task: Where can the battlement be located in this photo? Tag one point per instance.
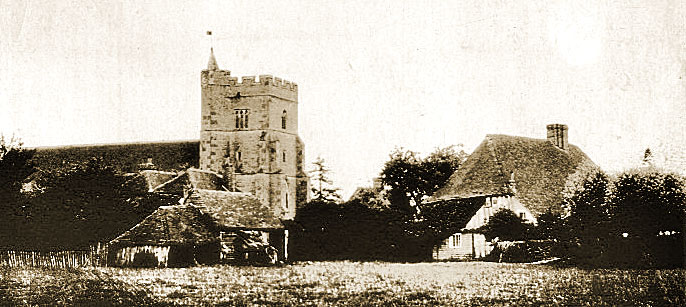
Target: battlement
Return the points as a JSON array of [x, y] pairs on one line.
[[250, 85]]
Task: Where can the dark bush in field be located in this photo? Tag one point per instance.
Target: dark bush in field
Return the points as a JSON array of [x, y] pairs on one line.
[[635, 220], [144, 260], [522, 251], [331, 231]]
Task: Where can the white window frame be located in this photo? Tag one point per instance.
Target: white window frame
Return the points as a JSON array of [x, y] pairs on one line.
[[455, 237]]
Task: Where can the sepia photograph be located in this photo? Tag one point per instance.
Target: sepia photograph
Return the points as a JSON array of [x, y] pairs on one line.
[[342, 153]]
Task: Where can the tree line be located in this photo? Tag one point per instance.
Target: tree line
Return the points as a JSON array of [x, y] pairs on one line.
[[634, 219], [71, 207]]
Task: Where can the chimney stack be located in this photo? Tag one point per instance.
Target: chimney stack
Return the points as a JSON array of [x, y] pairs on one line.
[[557, 135]]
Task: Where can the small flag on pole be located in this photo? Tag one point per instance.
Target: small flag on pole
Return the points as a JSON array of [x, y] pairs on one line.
[[209, 32]]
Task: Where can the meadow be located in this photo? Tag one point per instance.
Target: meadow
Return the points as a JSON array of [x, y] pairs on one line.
[[346, 284]]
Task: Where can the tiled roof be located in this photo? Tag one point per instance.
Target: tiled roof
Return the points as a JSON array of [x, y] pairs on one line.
[[540, 169], [205, 180], [154, 178], [234, 209], [170, 225], [173, 183]]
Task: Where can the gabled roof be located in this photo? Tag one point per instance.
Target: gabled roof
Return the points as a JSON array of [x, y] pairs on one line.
[[170, 225], [155, 178], [175, 183], [234, 209], [539, 168], [205, 180]]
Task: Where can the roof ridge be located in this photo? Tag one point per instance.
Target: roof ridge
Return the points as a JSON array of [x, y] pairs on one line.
[[135, 226], [178, 175], [494, 155]]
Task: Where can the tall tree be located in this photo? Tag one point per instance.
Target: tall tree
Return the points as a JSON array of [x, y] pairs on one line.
[[83, 204], [648, 207], [588, 220], [15, 168], [411, 178], [323, 189]]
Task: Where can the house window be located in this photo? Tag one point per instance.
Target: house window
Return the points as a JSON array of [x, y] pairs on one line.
[[522, 215], [283, 120], [241, 118], [238, 156], [488, 203], [494, 200], [455, 240]]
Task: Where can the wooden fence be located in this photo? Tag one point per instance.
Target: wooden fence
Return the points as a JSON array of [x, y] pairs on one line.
[[96, 256]]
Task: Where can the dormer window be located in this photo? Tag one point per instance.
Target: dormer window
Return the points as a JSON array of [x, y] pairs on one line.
[[283, 120], [241, 118]]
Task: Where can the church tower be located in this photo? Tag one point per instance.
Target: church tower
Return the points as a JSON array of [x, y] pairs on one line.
[[249, 134]]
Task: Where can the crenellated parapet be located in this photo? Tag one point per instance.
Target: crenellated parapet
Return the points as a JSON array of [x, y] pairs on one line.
[[249, 85]]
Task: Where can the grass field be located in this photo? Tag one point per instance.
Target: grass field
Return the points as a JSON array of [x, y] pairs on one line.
[[346, 284]]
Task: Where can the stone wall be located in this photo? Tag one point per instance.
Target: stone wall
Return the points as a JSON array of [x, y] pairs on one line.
[[264, 158]]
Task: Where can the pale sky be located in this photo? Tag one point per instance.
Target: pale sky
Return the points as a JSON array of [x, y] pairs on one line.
[[372, 75]]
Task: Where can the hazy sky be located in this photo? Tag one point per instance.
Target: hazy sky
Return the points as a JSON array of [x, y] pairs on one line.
[[372, 75]]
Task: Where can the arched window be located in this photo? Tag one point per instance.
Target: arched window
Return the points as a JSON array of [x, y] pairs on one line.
[[283, 120]]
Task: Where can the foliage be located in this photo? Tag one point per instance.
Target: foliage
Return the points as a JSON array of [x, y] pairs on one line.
[[522, 251], [380, 223], [371, 197], [644, 203], [15, 167], [505, 225], [634, 220], [411, 178], [323, 190], [81, 205], [437, 220], [350, 230], [649, 206], [588, 220]]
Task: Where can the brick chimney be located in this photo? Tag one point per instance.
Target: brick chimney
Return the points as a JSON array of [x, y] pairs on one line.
[[557, 135]]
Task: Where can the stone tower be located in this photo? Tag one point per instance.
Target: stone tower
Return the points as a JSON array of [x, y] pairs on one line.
[[249, 134]]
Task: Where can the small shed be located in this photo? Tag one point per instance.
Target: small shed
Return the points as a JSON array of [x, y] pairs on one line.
[[172, 236], [244, 224]]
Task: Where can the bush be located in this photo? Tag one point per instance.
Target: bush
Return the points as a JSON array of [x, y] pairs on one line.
[[522, 251], [505, 225]]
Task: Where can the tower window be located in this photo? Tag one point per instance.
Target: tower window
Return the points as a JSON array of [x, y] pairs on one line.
[[283, 120], [283, 156], [241, 118]]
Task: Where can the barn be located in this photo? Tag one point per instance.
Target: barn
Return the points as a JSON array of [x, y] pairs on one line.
[[208, 227], [244, 225], [172, 236]]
